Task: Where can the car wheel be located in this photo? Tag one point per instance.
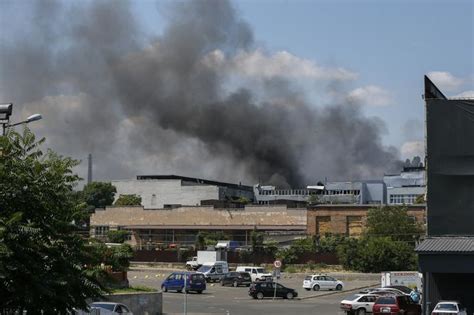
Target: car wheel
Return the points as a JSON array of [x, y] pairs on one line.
[[361, 311], [199, 291], [307, 289], [316, 287], [222, 283], [164, 289], [179, 291], [339, 287], [289, 295], [187, 291], [260, 295], [235, 284]]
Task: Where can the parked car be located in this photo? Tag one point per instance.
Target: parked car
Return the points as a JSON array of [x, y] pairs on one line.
[[237, 278], [110, 308], [321, 282], [256, 273], [388, 290], [194, 282], [449, 307], [359, 304], [214, 271], [402, 288], [259, 290], [396, 304]]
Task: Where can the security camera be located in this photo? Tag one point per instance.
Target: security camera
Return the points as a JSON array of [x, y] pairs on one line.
[[6, 109]]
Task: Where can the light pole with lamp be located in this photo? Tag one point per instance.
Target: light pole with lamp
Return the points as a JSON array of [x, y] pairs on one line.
[[5, 113]]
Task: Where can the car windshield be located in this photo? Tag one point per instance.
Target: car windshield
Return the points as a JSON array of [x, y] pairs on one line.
[[386, 300], [308, 277], [109, 307], [446, 307], [204, 268], [261, 270]]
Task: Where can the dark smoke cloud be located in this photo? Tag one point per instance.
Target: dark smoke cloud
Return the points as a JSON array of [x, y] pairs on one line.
[[158, 106]]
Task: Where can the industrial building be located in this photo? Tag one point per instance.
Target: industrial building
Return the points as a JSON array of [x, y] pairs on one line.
[[349, 220], [167, 191], [357, 192], [150, 228], [446, 256], [406, 187]]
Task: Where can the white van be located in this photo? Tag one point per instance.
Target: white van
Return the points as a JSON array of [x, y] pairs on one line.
[[256, 273], [214, 271]]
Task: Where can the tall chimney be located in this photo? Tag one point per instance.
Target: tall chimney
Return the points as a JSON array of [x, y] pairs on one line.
[[89, 169]]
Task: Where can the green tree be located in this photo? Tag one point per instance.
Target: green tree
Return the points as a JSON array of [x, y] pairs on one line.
[[256, 239], [42, 259], [394, 222], [128, 200], [117, 236], [98, 194]]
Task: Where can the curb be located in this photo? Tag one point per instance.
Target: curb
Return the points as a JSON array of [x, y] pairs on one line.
[[336, 292]]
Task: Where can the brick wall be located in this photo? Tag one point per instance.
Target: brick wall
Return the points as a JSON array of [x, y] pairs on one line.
[[340, 215]]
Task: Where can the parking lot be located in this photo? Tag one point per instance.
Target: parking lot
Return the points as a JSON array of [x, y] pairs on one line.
[[229, 300]]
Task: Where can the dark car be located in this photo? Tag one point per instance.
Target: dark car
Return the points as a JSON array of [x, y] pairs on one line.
[[259, 290], [236, 279], [193, 281], [394, 305], [401, 288]]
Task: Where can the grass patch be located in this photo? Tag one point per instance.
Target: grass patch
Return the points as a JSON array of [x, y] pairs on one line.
[[135, 289]]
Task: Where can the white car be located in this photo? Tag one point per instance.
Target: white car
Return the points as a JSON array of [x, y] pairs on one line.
[[321, 282], [359, 304], [449, 307], [256, 273], [109, 308]]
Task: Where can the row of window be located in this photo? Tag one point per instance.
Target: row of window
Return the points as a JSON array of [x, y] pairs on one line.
[[305, 192], [403, 199]]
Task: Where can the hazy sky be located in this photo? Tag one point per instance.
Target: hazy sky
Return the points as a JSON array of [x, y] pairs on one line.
[[117, 78]]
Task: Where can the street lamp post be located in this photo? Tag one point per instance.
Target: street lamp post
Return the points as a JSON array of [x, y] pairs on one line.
[[5, 113]]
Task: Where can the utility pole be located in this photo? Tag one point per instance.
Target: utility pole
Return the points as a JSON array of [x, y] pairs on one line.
[[89, 169]]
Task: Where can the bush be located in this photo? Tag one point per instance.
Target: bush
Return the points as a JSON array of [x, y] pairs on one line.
[[376, 254], [128, 200], [117, 236]]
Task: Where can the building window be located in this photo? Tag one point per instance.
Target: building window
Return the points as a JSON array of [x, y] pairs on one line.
[[354, 225], [407, 199], [129, 235], [323, 225], [101, 230]]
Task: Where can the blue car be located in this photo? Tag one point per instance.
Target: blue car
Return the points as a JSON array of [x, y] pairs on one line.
[[194, 282]]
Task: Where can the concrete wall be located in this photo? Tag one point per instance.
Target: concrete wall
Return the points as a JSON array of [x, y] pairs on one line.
[[146, 303], [157, 193], [339, 214]]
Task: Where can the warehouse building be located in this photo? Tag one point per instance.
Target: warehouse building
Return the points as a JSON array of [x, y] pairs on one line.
[[167, 191]]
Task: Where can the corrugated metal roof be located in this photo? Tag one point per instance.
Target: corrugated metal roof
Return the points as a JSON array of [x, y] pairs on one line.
[[447, 244]]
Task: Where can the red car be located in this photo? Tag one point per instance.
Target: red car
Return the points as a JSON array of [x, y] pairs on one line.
[[395, 305]]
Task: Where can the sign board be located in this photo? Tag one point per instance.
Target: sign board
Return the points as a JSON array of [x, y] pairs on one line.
[[277, 263]]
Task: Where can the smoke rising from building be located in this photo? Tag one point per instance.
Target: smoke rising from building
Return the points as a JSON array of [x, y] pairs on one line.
[[201, 99]]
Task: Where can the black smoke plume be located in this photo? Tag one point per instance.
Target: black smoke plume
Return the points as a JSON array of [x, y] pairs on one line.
[[162, 105]]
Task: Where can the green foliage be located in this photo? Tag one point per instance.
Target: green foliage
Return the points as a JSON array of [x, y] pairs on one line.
[[128, 200], [387, 244], [98, 194], [134, 289], [329, 243], [313, 200], [117, 236], [256, 239], [117, 257], [394, 222], [375, 254], [203, 239], [42, 259]]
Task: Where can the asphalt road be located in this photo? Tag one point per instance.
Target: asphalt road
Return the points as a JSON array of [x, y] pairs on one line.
[[229, 300]]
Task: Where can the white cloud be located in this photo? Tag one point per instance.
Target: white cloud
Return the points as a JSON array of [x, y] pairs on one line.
[[281, 64], [413, 148], [371, 95], [445, 80], [465, 94]]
